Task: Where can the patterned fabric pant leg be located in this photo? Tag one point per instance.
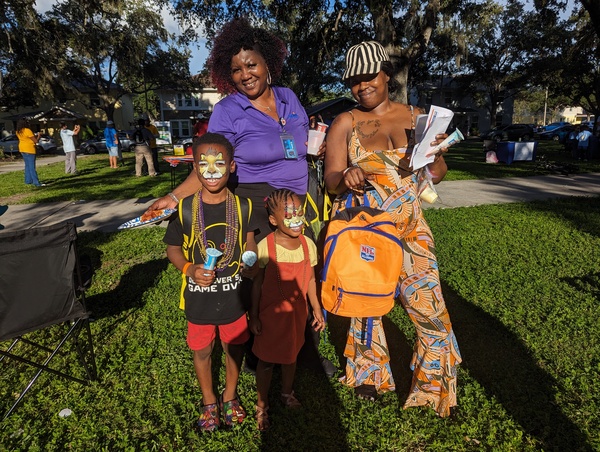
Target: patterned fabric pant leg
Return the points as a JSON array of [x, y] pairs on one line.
[[368, 364], [436, 352]]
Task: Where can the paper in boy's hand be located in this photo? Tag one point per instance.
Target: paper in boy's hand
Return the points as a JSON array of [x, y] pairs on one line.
[[437, 122]]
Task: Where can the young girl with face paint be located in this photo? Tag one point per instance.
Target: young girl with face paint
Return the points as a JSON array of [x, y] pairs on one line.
[[284, 286]]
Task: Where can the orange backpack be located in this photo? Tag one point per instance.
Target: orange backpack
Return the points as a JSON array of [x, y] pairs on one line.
[[362, 263]]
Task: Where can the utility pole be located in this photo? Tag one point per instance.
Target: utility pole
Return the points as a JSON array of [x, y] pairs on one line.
[[545, 105]]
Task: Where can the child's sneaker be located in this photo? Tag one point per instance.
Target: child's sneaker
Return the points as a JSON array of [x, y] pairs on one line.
[[233, 411], [209, 419]]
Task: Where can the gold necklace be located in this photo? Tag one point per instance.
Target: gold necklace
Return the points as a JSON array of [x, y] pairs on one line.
[[264, 107]]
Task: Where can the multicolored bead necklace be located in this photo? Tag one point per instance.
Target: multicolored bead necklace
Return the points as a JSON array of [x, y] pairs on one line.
[[305, 261], [232, 227]]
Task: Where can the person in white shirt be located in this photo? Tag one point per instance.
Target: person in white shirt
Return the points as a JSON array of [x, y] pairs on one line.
[[66, 136], [583, 143]]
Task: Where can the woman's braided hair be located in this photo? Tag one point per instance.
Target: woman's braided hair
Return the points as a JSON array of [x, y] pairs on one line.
[[239, 35]]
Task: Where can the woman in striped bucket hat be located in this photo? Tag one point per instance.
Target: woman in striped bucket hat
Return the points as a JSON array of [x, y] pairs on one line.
[[368, 152]]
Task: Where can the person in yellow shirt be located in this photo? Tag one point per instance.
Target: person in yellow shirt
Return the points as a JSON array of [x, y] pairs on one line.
[[27, 144]]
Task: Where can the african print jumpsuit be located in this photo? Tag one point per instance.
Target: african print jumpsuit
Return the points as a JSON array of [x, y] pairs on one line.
[[436, 352]]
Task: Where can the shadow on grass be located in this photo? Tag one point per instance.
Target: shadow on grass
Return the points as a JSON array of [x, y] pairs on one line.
[[127, 297], [499, 361], [505, 368], [318, 422]]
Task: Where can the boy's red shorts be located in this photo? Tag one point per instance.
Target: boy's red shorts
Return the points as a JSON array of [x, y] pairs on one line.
[[234, 333]]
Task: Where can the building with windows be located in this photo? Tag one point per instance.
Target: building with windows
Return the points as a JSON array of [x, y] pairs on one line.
[[182, 109], [46, 115], [468, 116]]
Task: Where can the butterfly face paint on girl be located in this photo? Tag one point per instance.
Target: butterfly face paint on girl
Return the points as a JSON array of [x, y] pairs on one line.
[[293, 216]]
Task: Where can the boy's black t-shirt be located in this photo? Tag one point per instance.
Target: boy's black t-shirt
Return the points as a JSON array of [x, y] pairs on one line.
[[221, 303]]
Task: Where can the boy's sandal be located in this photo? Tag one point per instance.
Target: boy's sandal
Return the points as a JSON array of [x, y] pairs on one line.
[[209, 419], [290, 400], [262, 418], [233, 412]]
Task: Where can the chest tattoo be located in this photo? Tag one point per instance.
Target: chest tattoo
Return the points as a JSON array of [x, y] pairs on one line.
[[368, 129]]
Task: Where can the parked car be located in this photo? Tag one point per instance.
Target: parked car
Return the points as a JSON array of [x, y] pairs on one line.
[[511, 132], [10, 144], [559, 134], [554, 125], [536, 128], [589, 124], [98, 144]]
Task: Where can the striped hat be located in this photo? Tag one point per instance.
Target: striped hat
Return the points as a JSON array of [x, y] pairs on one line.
[[364, 58]]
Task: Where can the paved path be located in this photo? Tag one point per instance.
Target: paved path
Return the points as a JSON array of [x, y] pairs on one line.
[[107, 215], [19, 165], [515, 189]]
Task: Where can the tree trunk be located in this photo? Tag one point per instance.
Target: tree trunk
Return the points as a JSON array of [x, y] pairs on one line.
[[593, 8], [403, 57], [401, 78]]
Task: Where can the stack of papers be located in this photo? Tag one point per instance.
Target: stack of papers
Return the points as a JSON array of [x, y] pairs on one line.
[[426, 128]]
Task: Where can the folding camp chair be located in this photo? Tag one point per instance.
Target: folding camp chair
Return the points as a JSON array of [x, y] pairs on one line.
[[41, 287]]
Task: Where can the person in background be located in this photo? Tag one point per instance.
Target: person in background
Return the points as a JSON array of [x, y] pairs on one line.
[[68, 141], [314, 121], [112, 143], [153, 148], [368, 154], [571, 142], [212, 299], [583, 143], [27, 147], [268, 128], [201, 126], [142, 137]]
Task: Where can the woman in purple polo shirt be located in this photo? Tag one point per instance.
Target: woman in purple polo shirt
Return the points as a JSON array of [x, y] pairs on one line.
[[266, 124], [268, 128]]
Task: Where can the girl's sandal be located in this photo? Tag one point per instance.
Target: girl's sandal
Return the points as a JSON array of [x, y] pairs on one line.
[[290, 400], [233, 412], [262, 418], [209, 419]]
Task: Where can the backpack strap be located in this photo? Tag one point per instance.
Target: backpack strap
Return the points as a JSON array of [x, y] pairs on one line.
[[244, 210], [366, 334], [185, 218], [350, 200]]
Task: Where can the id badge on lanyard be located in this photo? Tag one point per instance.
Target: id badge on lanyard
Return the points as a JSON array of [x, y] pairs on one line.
[[289, 147]]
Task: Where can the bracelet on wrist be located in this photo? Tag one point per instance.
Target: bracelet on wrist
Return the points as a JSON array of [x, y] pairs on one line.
[[185, 268], [346, 170], [173, 197]]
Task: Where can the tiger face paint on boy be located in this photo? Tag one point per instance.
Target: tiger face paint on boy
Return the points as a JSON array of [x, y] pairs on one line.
[[211, 166]]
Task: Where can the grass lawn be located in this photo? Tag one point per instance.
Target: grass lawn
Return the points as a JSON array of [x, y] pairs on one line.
[[97, 181], [522, 284]]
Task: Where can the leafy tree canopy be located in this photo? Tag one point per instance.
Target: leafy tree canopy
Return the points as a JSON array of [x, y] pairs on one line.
[[108, 48], [318, 33]]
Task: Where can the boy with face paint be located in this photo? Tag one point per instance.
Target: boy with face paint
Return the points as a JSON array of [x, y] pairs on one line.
[[281, 291], [212, 298]]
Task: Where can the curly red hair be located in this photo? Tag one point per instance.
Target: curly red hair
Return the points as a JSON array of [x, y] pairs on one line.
[[236, 35]]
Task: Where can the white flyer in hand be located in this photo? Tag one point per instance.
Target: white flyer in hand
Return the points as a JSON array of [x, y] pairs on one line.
[[437, 122]]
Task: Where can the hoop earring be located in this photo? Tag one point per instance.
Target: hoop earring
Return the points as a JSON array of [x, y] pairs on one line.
[[269, 77]]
